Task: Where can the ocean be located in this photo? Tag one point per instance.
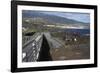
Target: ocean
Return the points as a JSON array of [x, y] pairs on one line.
[[79, 31]]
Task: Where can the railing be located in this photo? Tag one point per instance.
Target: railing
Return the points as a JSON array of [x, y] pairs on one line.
[[31, 49]]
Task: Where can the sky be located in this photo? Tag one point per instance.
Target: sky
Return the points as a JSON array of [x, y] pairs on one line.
[[82, 17]]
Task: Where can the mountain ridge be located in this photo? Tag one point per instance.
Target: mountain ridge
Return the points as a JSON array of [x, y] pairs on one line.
[[51, 18]]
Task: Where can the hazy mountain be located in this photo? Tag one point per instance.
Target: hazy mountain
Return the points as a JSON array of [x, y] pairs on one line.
[[53, 18]]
